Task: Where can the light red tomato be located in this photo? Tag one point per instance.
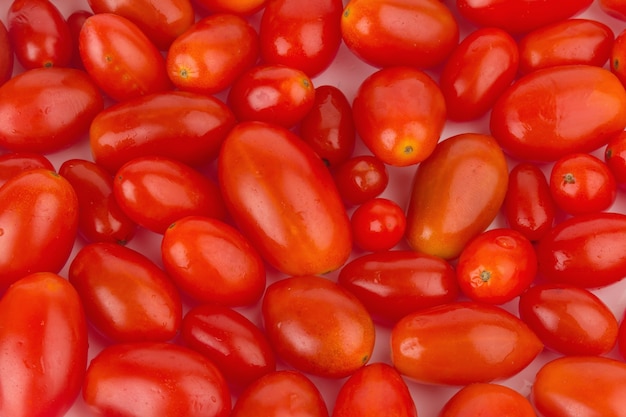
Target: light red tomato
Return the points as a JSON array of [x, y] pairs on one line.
[[378, 225], [487, 400]]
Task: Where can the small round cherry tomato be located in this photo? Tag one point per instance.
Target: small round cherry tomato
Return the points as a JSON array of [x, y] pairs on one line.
[[240, 7], [614, 8], [615, 157], [15, 163], [6, 55], [487, 400], [361, 178], [378, 225]]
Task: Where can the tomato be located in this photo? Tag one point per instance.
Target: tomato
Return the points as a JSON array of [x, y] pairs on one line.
[[580, 387], [156, 191], [570, 320], [120, 58], [528, 206], [212, 262], [6, 55], [468, 168], [329, 127], [301, 34], [38, 224], [292, 308], [588, 250], [406, 129], [487, 400], [236, 345], [375, 390], [47, 109], [14, 163], [614, 8], [241, 7], [378, 224], [615, 157], [559, 110], [155, 379], [209, 56], [461, 343], [361, 178], [43, 340], [429, 32], [477, 71], [273, 94], [618, 56], [75, 22], [39, 34], [283, 199], [621, 336]]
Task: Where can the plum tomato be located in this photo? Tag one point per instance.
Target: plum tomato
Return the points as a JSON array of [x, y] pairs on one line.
[[75, 22], [487, 400], [378, 225], [239, 7], [618, 57], [621, 336], [360, 178], [614, 8], [7, 56], [14, 163], [615, 157]]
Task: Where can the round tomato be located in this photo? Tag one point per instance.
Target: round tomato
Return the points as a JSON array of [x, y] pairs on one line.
[[15, 163], [6, 55], [240, 7], [487, 400], [378, 225], [614, 8], [360, 178], [615, 157]]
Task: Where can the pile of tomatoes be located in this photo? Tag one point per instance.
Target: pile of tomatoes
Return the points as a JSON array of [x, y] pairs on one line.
[[313, 208]]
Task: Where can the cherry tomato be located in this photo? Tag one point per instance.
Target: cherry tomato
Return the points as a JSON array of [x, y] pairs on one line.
[[14, 163], [361, 178], [75, 22], [292, 308], [487, 400], [559, 110], [477, 71], [378, 225], [155, 379], [43, 340], [615, 157], [370, 30], [618, 57], [614, 8], [461, 343], [6, 55], [406, 129], [241, 7], [457, 192]]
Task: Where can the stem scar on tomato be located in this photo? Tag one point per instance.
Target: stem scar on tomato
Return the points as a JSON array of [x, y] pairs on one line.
[[485, 275], [569, 178]]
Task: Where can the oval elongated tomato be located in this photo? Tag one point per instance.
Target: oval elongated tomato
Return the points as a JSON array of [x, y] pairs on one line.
[[15, 163], [47, 109], [6, 55], [461, 343], [43, 346], [457, 192], [487, 400], [559, 110], [284, 200]]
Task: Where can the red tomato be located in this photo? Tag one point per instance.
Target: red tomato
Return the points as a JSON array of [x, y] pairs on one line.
[[614, 8], [212, 54], [120, 58], [6, 55], [472, 170], [487, 400], [283, 199], [378, 225], [375, 390], [241, 7], [406, 129], [235, 345], [361, 178], [615, 157], [39, 34], [212, 262], [462, 343], [13, 163], [618, 56], [75, 22], [155, 379], [156, 191], [621, 336], [43, 340], [127, 297], [570, 320], [477, 71], [292, 308], [559, 110], [39, 223], [47, 109], [428, 35]]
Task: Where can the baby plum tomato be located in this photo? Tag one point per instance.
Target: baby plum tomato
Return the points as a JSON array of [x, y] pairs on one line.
[[239, 7], [75, 22], [487, 400], [6, 55], [405, 130], [618, 57], [378, 225], [614, 8], [14, 163], [615, 157], [496, 266], [360, 178]]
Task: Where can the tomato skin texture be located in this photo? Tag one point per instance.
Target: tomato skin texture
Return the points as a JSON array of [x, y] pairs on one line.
[[404, 131], [461, 343], [212, 262], [370, 30], [7, 55], [378, 224], [539, 117], [283, 199], [15, 163], [468, 167], [487, 400], [360, 178], [615, 157], [165, 379], [291, 310]]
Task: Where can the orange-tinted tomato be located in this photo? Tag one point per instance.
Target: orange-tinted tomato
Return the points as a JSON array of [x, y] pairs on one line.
[[487, 400], [15, 163], [6, 55], [615, 157]]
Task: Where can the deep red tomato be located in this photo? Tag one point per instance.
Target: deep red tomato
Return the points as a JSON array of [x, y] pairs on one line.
[[236, 345], [370, 29], [43, 340], [477, 71], [570, 320], [240, 7], [375, 390], [15, 163], [156, 191], [487, 400], [75, 22], [621, 336], [47, 109], [378, 224], [212, 54], [615, 157], [360, 178], [614, 8], [147, 305], [212, 262], [155, 380], [559, 110], [39, 223], [6, 55], [618, 57], [39, 34], [406, 129], [292, 308], [473, 171], [461, 343]]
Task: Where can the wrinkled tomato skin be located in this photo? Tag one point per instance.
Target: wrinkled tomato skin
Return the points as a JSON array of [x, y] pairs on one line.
[[461, 343], [615, 157], [44, 346], [477, 71], [360, 178], [7, 56], [614, 8], [487, 400], [539, 117], [47, 109], [235, 344], [15, 163], [283, 199]]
